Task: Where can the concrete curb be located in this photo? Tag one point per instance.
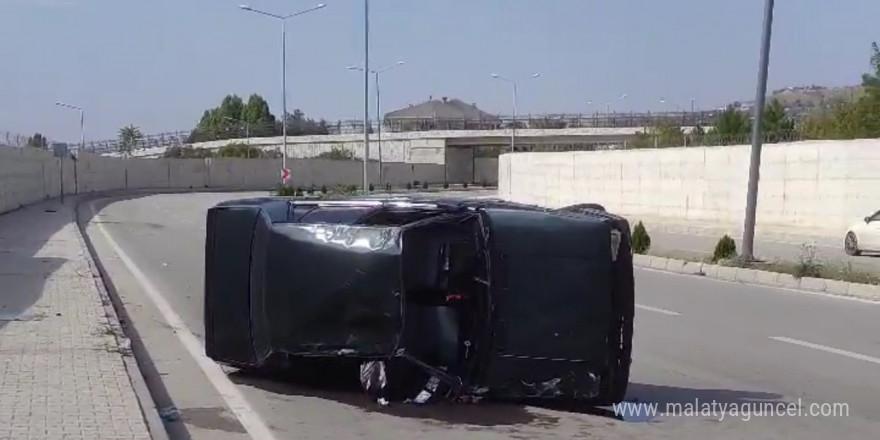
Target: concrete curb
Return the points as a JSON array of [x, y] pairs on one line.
[[759, 277], [120, 323]]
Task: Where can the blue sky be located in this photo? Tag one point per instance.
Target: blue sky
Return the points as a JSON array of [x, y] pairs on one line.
[[159, 63]]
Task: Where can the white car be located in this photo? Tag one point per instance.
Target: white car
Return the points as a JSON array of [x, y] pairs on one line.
[[863, 236]]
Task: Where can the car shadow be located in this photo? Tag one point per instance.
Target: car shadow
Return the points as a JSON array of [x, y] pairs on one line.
[[489, 413], [348, 392]]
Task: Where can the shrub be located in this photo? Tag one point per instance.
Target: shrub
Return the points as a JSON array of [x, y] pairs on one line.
[[299, 192], [387, 187], [408, 185], [337, 153], [483, 183], [641, 241], [424, 185], [464, 185], [808, 263], [725, 249], [323, 189], [416, 184], [371, 187], [446, 185], [286, 191], [311, 190]]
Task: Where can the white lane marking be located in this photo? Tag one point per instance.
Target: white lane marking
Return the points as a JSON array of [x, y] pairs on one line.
[[849, 354], [250, 420], [658, 310]]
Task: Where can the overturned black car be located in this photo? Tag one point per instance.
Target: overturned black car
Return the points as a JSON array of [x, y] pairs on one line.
[[430, 299]]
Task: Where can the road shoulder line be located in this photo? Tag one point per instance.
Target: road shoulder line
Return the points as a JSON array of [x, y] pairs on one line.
[[832, 288], [111, 306], [250, 420]]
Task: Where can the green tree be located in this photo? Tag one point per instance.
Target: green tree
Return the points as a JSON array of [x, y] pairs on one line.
[[129, 136], [873, 79], [300, 125], [776, 125], [226, 121], [257, 117], [731, 127], [38, 141], [851, 120], [663, 134]]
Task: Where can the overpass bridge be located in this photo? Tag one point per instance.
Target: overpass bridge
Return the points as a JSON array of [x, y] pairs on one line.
[[463, 154]]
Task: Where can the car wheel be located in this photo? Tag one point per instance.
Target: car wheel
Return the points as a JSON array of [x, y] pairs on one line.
[[851, 244]]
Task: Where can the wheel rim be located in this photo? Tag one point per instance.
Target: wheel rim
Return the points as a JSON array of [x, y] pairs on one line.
[[850, 242]]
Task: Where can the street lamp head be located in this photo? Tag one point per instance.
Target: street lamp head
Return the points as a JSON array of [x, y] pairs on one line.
[[245, 7], [536, 75], [623, 96], [495, 75], [400, 63], [320, 5], [353, 68]]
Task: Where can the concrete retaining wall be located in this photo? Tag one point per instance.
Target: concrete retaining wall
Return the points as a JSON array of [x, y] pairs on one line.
[[817, 184], [30, 175], [486, 170]]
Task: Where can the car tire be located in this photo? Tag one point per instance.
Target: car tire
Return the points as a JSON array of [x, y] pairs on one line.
[[851, 245]]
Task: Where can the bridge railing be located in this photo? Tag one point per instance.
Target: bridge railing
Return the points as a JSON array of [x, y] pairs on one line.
[[398, 125]]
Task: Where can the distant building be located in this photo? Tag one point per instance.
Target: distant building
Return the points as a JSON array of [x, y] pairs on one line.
[[441, 114]]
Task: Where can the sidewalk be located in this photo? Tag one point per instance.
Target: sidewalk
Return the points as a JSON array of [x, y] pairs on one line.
[[62, 369]]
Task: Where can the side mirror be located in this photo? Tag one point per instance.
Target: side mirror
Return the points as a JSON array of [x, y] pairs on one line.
[[867, 219]]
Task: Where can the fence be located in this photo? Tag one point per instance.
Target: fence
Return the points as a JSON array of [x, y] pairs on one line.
[[9, 139], [397, 125], [642, 141]]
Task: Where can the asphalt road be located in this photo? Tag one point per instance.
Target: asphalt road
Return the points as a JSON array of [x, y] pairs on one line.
[[697, 341]]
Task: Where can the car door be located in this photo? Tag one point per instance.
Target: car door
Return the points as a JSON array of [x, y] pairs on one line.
[[870, 238]]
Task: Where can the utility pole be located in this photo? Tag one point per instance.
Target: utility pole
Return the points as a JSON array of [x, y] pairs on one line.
[[748, 240]]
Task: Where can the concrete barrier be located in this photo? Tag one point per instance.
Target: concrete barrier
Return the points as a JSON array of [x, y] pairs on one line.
[[30, 175], [824, 185]]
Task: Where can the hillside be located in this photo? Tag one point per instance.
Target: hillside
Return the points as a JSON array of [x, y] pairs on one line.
[[804, 99]]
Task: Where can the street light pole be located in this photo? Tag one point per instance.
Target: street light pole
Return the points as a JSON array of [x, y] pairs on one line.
[[515, 99], [283, 19], [376, 74], [366, 185], [608, 104], [82, 146], [247, 132], [283, 95], [748, 244]]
